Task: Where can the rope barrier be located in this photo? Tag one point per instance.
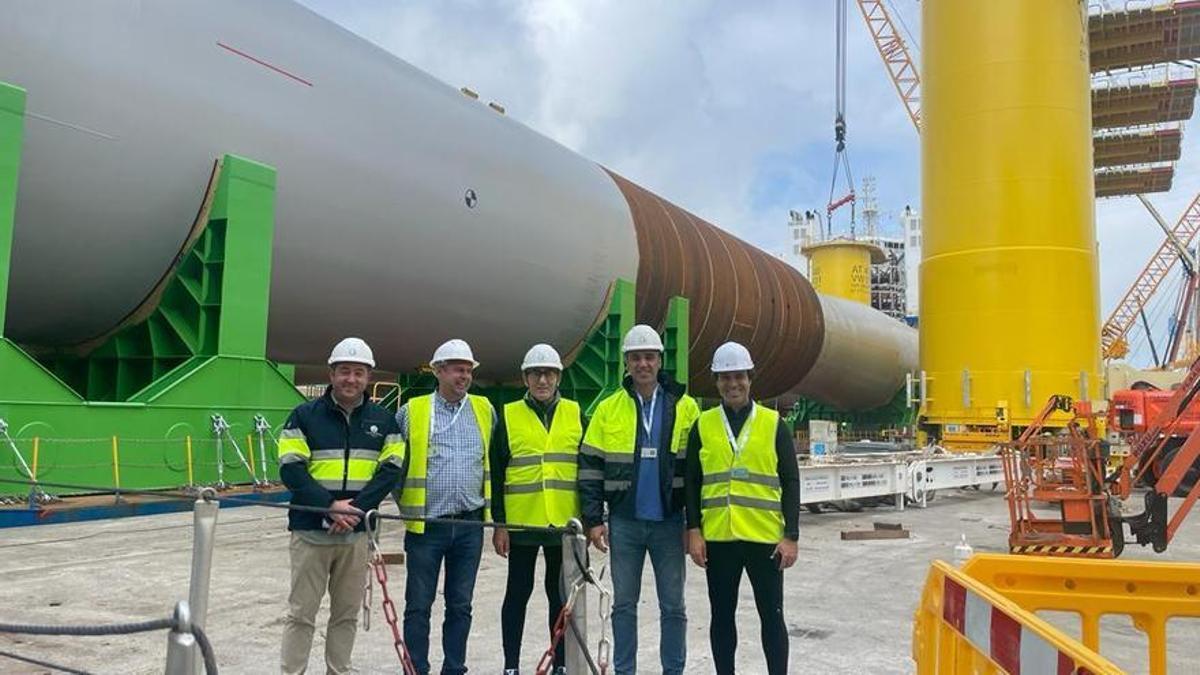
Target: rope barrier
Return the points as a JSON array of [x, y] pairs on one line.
[[97, 630], [44, 664], [87, 630], [98, 489]]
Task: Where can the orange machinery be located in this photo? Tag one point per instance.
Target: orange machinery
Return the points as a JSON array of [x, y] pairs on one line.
[[1069, 469]]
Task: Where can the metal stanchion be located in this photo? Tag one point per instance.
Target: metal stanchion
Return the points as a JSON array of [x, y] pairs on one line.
[[575, 541], [182, 654], [203, 538]]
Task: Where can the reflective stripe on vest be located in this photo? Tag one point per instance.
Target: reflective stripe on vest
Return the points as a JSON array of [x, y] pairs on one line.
[[420, 423], [612, 434], [740, 497], [292, 446], [540, 481], [330, 466]]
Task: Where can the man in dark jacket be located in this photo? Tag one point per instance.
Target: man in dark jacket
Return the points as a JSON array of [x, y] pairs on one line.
[[633, 460], [344, 453]]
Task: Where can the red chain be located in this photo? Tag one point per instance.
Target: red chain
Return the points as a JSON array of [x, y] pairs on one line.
[[389, 613], [560, 626]]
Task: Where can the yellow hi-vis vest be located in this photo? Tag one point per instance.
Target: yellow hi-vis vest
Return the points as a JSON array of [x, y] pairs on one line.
[[420, 421], [540, 485], [612, 435], [740, 497]]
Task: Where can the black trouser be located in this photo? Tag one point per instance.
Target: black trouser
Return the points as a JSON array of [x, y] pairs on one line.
[[726, 560], [522, 561]]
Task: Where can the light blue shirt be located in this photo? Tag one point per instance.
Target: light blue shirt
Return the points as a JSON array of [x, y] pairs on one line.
[[648, 504], [454, 473]]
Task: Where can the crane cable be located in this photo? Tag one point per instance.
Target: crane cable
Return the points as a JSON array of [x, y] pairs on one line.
[[841, 159]]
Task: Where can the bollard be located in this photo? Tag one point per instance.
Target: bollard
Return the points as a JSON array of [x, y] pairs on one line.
[[181, 644], [203, 538], [574, 540]]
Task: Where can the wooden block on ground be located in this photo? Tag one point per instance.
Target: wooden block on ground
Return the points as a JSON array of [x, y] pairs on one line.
[[865, 535], [889, 526], [393, 558]]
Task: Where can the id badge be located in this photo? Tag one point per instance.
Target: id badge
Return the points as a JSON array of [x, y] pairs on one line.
[[649, 452], [740, 472]]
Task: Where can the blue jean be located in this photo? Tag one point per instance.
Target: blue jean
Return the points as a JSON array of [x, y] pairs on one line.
[[630, 541], [460, 547]]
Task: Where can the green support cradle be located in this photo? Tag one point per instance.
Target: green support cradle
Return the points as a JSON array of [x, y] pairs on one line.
[[182, 395]]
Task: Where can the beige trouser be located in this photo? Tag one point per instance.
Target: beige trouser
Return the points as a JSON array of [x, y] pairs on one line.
[[340, 567]]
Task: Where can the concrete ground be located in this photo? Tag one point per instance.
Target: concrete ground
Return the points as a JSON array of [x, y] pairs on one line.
[[849, 604]]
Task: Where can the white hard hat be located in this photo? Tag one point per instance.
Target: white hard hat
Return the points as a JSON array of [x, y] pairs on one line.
[[352, 350], [542, 356], [731, 357], [453, 350], [642, 338]]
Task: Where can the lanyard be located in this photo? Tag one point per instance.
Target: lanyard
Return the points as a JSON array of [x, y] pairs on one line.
[[739, 443], [463, 403], [648, 422]]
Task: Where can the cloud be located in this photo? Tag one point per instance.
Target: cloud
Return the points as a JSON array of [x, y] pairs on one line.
[[725, 108]]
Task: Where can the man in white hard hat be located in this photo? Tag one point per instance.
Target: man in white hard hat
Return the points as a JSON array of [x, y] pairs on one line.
[[341, 452], [632, 459], [743, 508], [534, 482], [448, 433]]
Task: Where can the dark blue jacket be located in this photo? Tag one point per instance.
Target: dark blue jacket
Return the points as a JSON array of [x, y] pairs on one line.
[[325, 426]]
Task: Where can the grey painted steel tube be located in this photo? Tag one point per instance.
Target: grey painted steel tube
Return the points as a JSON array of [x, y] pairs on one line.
[[406, 212]]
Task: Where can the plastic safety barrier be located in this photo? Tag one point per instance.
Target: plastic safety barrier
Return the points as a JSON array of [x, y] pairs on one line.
[[963, 625], [1149, 593]]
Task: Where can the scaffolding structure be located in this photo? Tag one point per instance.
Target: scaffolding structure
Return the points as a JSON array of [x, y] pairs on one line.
[[1137, 104], [889, 282], [1144, 36], [1148, 146], [1137, 181]]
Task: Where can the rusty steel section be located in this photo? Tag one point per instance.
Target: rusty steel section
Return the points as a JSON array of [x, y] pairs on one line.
[[737, 292]]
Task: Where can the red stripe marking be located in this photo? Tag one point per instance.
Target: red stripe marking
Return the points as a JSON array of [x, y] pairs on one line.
[[1006, 642], [264, 64], [1066, 665], [954, 604]]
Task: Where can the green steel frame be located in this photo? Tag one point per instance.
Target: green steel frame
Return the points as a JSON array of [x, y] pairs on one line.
[[138, 410]]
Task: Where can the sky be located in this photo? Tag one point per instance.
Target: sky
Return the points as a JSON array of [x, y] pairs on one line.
[[725, 108]]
